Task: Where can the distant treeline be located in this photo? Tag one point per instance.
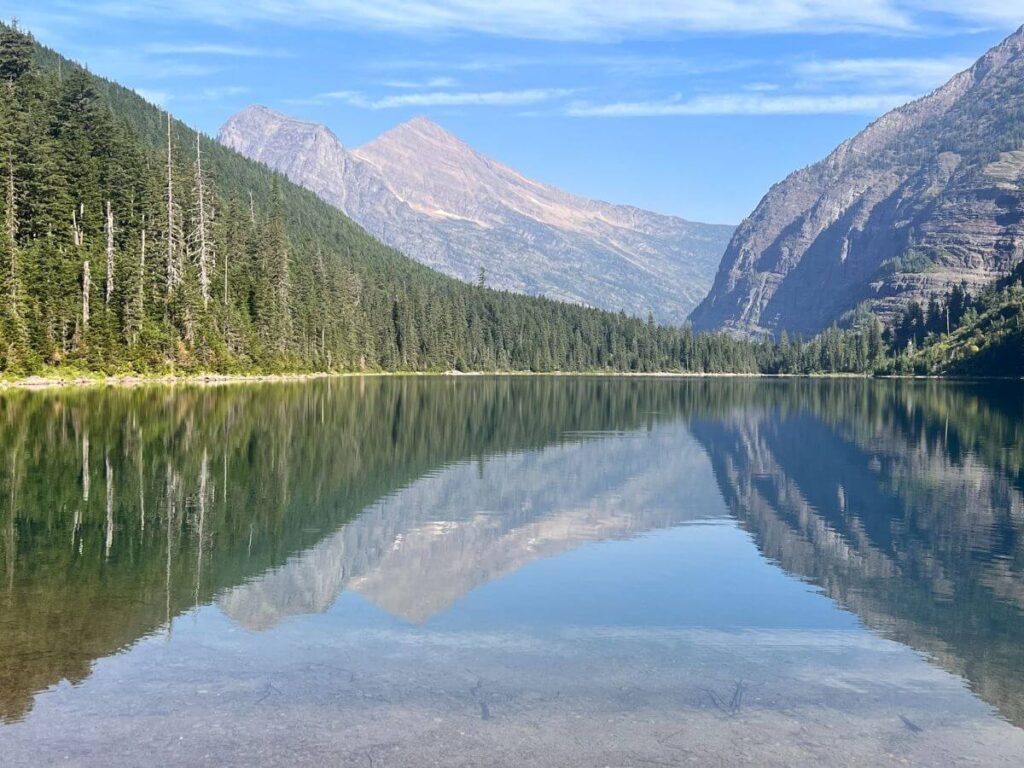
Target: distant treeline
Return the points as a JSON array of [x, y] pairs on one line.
[[129, 242], [132, 243]]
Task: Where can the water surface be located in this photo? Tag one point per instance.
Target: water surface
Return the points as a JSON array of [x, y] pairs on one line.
[[513, 571]]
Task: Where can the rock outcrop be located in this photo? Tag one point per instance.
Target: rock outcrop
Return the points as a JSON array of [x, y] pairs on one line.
[[928, 196]]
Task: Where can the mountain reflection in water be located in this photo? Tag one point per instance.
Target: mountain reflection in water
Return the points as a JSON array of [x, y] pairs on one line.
[[425, 515]]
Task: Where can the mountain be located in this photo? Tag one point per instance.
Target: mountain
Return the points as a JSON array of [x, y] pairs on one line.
[[430, 195], [134, 243], [926, 197]]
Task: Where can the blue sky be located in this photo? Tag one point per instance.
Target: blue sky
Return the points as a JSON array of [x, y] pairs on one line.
[[692, 108]]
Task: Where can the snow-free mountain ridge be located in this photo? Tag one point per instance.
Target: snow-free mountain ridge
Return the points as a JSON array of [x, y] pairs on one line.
[[424, 191]]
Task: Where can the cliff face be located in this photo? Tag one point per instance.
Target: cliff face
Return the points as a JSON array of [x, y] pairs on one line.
[[424, 191], [926, 197]]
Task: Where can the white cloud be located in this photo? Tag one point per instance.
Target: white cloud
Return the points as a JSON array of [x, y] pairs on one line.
[[581, 19], [869, 86], [543, 19], [168, 69], [305, 102], [450, 98], [213, 49], [744, 104], [434, 82], [922, 74], [160, 98], [218, 92], [210, 93], [983, 11], [613, 63]]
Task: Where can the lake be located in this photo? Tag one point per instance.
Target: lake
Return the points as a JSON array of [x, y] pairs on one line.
[[513, 571]]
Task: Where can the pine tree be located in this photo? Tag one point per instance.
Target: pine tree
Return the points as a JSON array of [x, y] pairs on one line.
[[16, 50]]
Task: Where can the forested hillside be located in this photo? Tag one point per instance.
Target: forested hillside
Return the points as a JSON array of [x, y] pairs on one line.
[[964, 334], [132, 243], [438, 200], [927, 197]]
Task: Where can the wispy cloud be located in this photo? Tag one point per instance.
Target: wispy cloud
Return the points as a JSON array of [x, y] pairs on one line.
[[213, 49], [921, 74], [434, 82], [981, 11], [219, 92], [166, 70], [160, 98], [450, 98], [616, 63], [183, 95], [744, 104], [563, 20]]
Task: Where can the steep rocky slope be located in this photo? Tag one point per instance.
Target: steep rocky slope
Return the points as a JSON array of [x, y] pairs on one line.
[[929, 195], [427, 193]]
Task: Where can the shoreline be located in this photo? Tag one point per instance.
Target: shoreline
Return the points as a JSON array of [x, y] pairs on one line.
[[44, 382], [211, 379]]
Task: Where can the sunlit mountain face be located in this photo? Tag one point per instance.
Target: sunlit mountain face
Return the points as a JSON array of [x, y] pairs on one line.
[[427, 193], [552, 571]]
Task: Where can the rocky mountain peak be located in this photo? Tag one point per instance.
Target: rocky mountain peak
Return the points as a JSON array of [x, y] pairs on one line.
[[926, 197], [260, 118], [423, 128], [423, 190], [420, 138]]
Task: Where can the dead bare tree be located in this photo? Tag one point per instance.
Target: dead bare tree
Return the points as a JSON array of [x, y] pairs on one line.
[[200, 237], [109, 226], [225, 278], [11, 235], [78, 236], [174, 275], [138, 307], [86, 287]]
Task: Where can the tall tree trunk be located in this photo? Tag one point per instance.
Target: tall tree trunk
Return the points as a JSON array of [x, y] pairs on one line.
[[173, 272], [110, 253], [76, 225], [226, 276], [202, 236], [139, 312], [86, 286], [15, 292], [11, 235]]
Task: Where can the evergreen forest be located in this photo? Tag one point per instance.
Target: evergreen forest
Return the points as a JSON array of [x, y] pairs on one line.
[[131, 243]]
